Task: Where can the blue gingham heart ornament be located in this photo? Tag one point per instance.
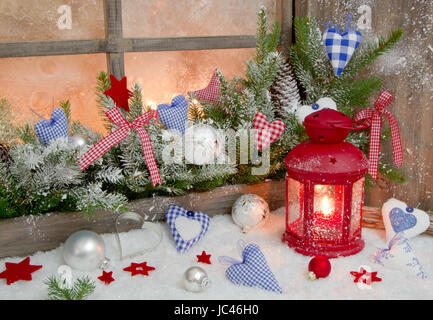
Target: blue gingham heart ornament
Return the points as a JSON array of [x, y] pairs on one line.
[[253, 271], [175, 214], [174, 116], [341, 46], [56, 128]]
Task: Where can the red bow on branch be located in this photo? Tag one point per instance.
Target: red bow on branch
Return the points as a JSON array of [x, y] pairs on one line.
[[372, 117], [115, 137]]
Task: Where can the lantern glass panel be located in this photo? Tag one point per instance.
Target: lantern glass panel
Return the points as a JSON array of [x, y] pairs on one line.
[[357, 196], [295, 206], [327, 224]]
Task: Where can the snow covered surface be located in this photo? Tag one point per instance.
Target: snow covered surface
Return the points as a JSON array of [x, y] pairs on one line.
[[288, 266]]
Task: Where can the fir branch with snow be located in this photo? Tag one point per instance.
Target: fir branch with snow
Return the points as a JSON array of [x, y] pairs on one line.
[[81, 289]]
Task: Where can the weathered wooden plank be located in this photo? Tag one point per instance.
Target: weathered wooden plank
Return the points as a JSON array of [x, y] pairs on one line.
[[85, 46], [114, 34], [24, 235], [51, 47], [113, 19], [285, 16], [407, 73], [188, 43]]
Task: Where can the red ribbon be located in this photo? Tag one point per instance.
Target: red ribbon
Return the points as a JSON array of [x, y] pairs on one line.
[[372, 117], [115, 137]]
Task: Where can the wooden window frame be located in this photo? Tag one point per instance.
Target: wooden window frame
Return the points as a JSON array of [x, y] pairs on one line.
[[115, 45]]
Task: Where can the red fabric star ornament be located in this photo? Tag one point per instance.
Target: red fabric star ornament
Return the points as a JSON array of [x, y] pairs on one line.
[[365, 276], [106, 277], [204, 258], [18, 271], [119, 92], [211, 93], [139, 268]]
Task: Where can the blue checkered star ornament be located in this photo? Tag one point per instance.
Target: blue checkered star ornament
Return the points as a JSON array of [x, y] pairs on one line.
[[253, 270], [187, 227], [56, 128], [341, 46], [174, 116]]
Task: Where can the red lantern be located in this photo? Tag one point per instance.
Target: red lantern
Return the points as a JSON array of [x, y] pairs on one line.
[[324, 189]]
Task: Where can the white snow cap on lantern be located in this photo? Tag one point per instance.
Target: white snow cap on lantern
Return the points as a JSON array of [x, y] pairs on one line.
[[323, 103]]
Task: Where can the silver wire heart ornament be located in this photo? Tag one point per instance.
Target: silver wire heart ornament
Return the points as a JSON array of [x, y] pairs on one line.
[[129, 247]]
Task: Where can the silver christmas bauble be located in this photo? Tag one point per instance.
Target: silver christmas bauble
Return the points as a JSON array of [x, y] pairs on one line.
[[195, 279], [201, 144], [84, 250], [77, 141], [249, 210]]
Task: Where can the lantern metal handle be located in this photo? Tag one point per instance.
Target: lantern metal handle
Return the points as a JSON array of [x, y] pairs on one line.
[[362, 126]]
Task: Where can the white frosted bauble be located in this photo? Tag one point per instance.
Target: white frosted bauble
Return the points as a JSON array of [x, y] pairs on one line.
[[195, 279], [249, 210], [77, 141], [323, 103], [85, 250], [201, 144]]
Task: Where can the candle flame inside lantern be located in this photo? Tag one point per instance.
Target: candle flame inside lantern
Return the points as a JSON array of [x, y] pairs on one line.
[[326, 208]]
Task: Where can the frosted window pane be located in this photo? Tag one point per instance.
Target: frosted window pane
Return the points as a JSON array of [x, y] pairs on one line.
[[174, 18], [357, 197], [35, 81], [168, 73], [295, 206], [22, 20]]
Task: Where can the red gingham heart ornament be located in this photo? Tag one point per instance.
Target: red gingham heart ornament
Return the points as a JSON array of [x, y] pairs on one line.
[[210, 94], [266, 133]]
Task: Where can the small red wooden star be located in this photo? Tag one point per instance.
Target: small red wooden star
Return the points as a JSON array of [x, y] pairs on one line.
[[106, 277], [139, 268], [204, 258], [365, 277], [18, 271], [119, 92]]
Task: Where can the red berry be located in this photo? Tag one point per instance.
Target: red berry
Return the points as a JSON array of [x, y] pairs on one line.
[[320, 267]]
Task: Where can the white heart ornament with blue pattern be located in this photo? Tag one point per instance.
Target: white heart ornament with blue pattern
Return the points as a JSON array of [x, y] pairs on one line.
[[341, 46], [187, 227], [253, 271], [56, 128], [400, 255], [399, 217]]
